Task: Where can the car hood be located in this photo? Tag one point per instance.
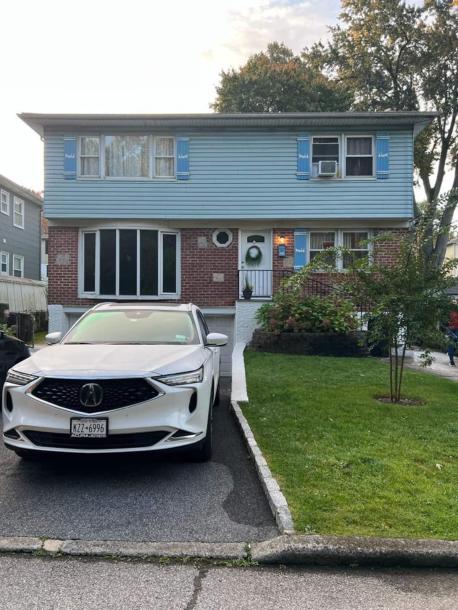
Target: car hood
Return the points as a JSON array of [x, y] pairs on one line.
[[113, 360]]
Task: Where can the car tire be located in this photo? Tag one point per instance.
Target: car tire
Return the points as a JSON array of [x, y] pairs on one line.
[[202, 451]]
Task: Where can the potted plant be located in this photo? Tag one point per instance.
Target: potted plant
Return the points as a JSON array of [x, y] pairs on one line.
[[247, 290]]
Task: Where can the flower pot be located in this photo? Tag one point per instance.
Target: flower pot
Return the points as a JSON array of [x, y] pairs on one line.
[[247, 293]]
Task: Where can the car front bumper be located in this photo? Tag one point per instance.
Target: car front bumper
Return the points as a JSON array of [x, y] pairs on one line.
[[164, 422]]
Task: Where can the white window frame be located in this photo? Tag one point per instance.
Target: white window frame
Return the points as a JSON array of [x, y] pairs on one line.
[[151, 153], [154, 156], [16, 201], [7, 255], [161, 294], [79, 164], [368, 249], [344, 164], [338, 243], [5, 201], [339, 162], [18, 257]]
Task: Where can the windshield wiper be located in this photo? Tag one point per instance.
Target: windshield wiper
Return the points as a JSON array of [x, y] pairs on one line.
[[78, 343]]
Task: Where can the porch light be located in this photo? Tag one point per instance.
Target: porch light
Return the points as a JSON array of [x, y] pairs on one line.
[[282, 246]]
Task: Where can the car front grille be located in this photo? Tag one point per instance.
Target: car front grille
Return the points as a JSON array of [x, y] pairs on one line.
[[114, 393], [58, 440]]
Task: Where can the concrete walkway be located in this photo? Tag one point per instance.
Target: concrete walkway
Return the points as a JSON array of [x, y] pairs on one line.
[[440, 365]]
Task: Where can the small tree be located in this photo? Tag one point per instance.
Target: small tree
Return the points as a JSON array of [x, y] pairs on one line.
[[408, 299]]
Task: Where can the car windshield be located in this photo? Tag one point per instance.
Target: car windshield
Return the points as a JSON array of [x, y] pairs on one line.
[[135, 326]]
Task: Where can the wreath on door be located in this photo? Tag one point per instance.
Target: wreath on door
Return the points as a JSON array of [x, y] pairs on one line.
[[253, 255]]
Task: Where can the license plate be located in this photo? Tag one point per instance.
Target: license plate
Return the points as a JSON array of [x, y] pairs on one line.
[[88, 427]]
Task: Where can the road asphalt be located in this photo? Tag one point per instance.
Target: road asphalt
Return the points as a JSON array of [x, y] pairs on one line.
[[28, 582], [143, 498]]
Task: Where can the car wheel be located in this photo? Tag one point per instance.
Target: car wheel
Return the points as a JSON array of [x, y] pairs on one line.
[[202, 451]]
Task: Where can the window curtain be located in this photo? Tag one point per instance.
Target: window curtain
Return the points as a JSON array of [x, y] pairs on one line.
[[126, 156]]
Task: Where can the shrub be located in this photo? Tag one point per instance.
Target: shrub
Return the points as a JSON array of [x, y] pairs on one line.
[[291, 312]]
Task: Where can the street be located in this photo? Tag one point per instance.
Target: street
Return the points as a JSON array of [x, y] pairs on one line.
[[81, 584]]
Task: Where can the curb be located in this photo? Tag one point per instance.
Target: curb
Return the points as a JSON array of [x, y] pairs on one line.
[[334, 550], [230, 551], [275, 497]]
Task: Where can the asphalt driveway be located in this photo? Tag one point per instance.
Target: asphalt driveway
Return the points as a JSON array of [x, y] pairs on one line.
[[153, 498]]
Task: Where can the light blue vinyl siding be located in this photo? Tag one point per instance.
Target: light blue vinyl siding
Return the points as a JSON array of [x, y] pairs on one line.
[[234, 175]]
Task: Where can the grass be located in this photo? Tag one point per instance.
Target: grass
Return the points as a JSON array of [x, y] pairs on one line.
[[348, 464], [39, 337]]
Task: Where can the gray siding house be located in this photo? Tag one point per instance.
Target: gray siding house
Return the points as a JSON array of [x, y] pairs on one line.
[[20, 231]]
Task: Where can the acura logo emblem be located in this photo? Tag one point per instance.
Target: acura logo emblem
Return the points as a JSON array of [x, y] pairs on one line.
[[91, 395]]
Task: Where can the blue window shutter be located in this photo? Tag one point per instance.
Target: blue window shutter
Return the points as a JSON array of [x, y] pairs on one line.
[[70, 158], [300, 248], [382, 146], [303, 158], [182, 158]]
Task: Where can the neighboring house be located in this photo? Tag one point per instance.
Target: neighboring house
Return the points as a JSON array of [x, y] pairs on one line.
[[191, 207], [20, 213], [452, 253], [44, 249]]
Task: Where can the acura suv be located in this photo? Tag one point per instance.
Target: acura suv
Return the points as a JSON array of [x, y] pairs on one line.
[[125, 378]]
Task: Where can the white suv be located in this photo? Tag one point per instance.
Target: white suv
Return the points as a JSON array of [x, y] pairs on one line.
[[125, 378]]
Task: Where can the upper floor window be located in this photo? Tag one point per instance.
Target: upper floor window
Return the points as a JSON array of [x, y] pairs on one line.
[[18, 213], [18, 265], [4, 202], [129, 263], [164, 155], [4, 263], [90, 156], [324, 148], [127, 156], [359, 156]]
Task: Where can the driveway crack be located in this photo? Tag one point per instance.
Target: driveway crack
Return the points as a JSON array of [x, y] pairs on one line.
[[197, 588]]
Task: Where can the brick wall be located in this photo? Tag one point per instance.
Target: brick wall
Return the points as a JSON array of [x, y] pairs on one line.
[[209, 275]]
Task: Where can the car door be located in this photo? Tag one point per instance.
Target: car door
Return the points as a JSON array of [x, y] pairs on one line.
[[216, 356]]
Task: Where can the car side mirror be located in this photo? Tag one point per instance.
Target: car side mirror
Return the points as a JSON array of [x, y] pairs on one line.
[[53, 338], [216, 339]]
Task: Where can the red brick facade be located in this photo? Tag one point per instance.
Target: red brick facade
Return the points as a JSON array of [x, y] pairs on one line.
[[209, 275]]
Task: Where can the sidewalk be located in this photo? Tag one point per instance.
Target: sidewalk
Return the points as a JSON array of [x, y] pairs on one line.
[[440, 365]]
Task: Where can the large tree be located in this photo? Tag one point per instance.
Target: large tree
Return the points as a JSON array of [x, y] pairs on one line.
[[279, 81], [396, 56]]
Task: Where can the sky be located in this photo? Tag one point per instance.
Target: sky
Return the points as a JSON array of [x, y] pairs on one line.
[[135, 56], [130, 57]]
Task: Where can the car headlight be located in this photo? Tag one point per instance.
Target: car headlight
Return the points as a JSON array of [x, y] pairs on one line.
[[19, 378], [183, 378]]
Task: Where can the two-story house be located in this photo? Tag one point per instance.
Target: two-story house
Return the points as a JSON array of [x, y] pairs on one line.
[[194, 207], [20, 231]]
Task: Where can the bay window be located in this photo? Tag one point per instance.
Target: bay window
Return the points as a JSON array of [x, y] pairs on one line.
[[129, 263], [359, 156]]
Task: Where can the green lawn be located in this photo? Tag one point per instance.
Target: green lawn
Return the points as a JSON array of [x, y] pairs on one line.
[[40, 337], [348, 464]]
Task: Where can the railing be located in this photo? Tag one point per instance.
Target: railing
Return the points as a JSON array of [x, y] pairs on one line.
[[263, 282]]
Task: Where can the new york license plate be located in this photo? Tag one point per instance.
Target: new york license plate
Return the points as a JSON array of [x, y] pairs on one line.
[[88, 427]]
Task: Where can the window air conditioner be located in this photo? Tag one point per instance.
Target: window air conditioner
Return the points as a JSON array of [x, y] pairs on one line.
[[327, 168]]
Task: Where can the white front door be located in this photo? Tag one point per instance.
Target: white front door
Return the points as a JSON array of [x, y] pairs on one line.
[[256, 262]]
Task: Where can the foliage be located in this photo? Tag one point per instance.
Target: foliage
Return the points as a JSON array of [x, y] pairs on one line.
[[408, 299], [349, 465], [291, 312], [397, 56], [279, 81]]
